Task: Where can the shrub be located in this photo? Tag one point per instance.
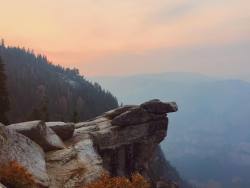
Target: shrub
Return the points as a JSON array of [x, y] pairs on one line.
[[15, 176], [137, 181]]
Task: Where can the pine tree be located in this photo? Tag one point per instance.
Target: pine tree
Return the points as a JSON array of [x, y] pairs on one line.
[[75, 117], [44, 109], [4, 99], [40, 112], [2, 43], [35, 115]]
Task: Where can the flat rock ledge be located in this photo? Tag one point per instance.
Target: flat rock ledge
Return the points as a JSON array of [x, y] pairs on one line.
[[67, 155]]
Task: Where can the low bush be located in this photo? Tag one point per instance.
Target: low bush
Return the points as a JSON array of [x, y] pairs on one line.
[[15, 176], [137, 181]]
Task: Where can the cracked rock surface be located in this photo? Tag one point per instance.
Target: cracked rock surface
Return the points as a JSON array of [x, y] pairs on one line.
[[121, 141]]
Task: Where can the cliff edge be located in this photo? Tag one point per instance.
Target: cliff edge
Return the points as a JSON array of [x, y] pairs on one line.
[[58, 154]]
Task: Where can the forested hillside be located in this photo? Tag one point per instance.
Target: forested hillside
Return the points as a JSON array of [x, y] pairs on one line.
[[40, 90]]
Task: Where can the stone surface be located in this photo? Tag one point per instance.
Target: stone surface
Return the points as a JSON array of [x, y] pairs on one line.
[[158, 107], [120, 141], [115, 136], [134, 116], [63, 130], [2, 125], [121, 147], [92, 122], [75, 166], [39, 133], [16, 147], [127, 142], [113, 113]]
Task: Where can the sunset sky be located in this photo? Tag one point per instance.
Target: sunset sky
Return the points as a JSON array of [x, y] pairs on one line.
[[122, 37]]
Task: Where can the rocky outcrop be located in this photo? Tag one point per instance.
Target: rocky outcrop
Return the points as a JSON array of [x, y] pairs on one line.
[[63, 130], [113, 113], [127, 141], [18, 148], [121, 141], [157, 107], [39, 133], [135, 116], [75, 166]]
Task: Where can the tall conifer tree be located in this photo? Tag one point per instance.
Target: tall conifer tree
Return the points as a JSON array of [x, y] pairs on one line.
[[4, 98]]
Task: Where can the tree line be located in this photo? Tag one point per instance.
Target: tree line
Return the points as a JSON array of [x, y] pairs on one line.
[[31, 88]]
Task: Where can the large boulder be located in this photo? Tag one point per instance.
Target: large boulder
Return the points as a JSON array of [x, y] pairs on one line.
[[121, 141], [26, 153], [157, 107], [39, 133], [63, 130]]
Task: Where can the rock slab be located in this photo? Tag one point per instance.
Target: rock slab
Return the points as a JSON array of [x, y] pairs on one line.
[[75, 166], [157, 107], [18, 148], [64, 130], [121, 141], [39, 133]]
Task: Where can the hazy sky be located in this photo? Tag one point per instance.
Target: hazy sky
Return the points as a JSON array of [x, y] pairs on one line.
[[116, 37]]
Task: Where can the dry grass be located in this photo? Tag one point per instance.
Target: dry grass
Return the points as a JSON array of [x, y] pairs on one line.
[[137, 181], [15, 176]]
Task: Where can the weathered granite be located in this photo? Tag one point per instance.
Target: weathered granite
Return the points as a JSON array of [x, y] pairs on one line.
[[63, 130], [135, 116], [75, 166], [113, 113], [18, 148], [120, 142], [39, 133], [127, 142], [114, 136], [91, 122], [158, 107]]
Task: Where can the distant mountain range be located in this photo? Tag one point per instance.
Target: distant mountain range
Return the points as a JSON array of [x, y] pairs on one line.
[[209, 138]]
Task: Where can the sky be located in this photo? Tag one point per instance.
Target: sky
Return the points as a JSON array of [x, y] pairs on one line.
[[124, 37]]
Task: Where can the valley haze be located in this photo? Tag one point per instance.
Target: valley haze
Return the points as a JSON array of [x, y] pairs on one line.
[[208, 139]]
